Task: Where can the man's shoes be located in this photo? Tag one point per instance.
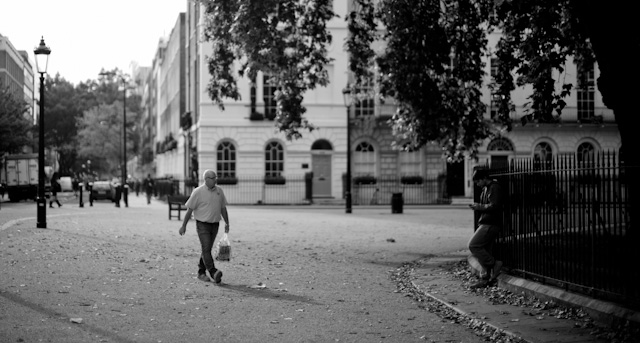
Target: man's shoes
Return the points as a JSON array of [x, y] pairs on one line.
[[217, 276], [203, 277], [480, 284], [495, 271]]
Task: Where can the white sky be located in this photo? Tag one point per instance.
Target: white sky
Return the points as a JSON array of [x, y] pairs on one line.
[[87, 35]]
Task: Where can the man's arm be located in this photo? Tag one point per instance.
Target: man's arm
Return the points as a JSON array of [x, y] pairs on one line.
[[187, 216], [225, 216]]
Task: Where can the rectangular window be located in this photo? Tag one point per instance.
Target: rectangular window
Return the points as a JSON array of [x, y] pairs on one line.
[[269, 98], [493, 107], [364, 101], [364, 160], [410, 163], [586, 92]]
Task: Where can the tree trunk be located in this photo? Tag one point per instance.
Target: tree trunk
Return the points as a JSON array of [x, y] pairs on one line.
[[612, 30]]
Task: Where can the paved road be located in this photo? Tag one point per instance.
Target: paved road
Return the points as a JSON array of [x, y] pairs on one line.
[[127, 275]]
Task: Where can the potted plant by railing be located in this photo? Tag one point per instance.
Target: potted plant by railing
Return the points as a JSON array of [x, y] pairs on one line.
[[365, 180], [227, 180], [270, 115], [412, 180], [275, 180], [191, 183], [256, 116]]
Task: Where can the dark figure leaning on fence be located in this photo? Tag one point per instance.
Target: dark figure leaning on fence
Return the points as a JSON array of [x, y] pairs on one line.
[[489, 225], [209, 205]]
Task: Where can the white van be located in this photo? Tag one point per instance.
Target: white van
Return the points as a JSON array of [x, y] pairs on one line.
[[66, 184]]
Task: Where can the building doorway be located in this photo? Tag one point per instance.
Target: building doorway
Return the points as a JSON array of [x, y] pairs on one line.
[[321, 168], [455, 179]]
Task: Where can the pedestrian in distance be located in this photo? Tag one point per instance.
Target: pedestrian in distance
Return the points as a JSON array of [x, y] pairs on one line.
[[489, 226], [55, 188], [149, 184], [74, 185], [208, 205], [136, 184]]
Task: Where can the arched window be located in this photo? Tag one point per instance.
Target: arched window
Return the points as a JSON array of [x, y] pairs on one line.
[[410, 161], [543, 154], [226, 160], [364, 160], [499, 149], [500, 144], [273, 159], [321, 144], [586, 153]]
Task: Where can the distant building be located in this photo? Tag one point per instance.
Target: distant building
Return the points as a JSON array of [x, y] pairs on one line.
[[17, 73]]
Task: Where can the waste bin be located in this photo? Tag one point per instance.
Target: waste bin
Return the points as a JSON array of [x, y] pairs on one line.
[[396, 203]]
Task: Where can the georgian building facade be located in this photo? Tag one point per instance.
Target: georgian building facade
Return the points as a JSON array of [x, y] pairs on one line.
[[242, 141]]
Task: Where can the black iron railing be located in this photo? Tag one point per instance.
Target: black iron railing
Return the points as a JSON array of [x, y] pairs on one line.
[[567, 223], [251, 190], [415, 191], [245, 190]]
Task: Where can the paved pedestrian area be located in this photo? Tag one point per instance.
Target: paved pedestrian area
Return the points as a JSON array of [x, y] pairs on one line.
[[298, 274]]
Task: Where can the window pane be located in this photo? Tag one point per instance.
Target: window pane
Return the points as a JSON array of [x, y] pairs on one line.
[[274, 159], [226, 161]]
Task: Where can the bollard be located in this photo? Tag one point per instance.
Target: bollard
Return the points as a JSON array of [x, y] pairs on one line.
[[81, 202], [118, 195], [90, 190], [125, 195], [396, 203]]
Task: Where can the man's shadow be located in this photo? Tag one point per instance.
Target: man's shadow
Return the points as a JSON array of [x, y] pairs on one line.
[[267, 293]]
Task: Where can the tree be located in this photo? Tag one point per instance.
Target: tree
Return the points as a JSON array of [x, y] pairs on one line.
[[537, 38], [62, 111], [286, 40], [15, 128], [102, 101], [100, 137], [430, 64]]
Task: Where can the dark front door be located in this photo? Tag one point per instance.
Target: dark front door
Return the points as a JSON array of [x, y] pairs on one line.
[[455, 179]]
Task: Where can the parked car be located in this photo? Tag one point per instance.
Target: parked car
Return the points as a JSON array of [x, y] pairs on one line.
[[66, 184], [103, 190]]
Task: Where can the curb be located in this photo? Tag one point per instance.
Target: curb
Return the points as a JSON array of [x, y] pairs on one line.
[[604, 312], [468, 315]]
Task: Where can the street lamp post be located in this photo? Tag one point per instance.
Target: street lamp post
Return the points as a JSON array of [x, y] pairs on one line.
[[42, 60], [346, 94], [123, 185]]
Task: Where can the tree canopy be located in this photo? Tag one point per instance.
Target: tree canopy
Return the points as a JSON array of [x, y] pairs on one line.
[[431, 63], [286, 40], [15, 128], [100, 125]]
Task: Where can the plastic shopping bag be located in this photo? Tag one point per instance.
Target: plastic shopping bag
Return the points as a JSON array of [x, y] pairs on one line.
[[223, 249]]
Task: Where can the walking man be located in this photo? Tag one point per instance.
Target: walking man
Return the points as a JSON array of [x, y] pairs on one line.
[[209, 205], [489, 225], [148, 187]]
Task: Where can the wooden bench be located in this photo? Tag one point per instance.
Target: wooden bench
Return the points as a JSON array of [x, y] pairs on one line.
[[176, 204]]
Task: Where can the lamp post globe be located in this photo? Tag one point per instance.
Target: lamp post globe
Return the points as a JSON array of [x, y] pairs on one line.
[[42, 61]]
